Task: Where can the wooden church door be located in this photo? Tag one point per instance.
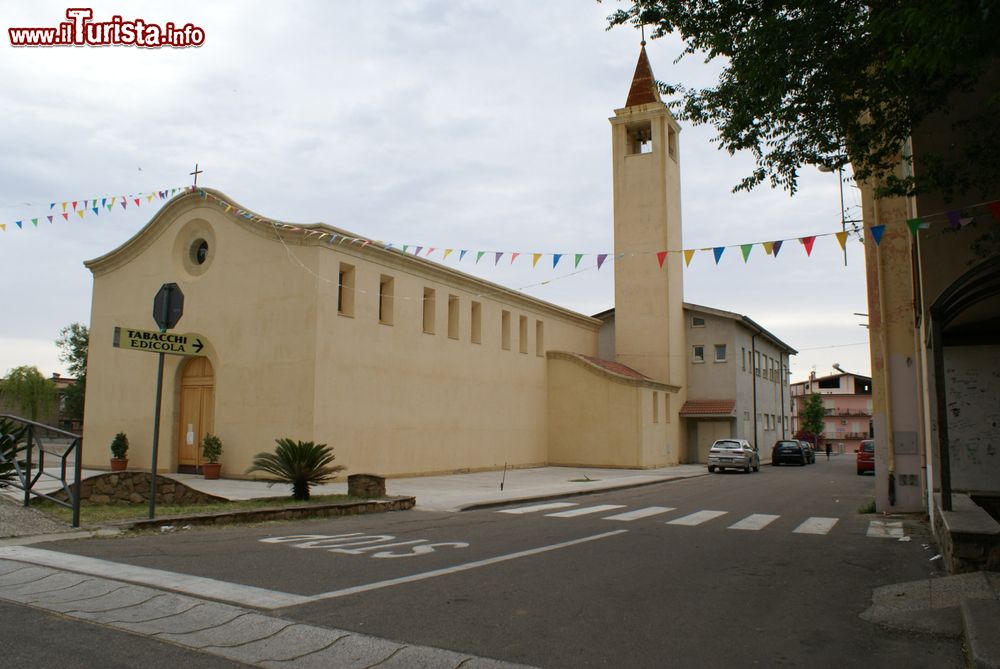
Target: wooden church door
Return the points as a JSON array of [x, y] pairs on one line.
[[197, 411]]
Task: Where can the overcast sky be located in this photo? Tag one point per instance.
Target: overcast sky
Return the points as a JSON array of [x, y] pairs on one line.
[[474, 124]]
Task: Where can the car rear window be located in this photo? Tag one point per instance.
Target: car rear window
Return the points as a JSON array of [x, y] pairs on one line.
[[727, 444], [789, 443], [868, 446]]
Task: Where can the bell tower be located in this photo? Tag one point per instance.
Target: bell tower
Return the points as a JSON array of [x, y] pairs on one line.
[[649, 295]]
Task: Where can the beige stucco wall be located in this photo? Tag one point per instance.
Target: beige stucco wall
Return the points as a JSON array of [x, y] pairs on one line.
[[391, 399], [601, 419]]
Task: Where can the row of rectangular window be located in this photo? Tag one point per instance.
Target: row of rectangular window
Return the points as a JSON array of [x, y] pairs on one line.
[[698, 354], [771, 370], [386, 290], [770, 421]]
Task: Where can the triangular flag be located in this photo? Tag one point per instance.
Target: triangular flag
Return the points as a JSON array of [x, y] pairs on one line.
[[954, 219], [124, 203], [80, 212], [842, 238], [555, 259], [461, 254], [479, 255], [137, 203], [513, 256], [534, 259], [3, 226], [688, 254], [405, 247], [746, 249], [717, 251], [994, 209], [496, 261], [447, 252], [601, 257], [149, 198], [915, 224], [367, 242], [52, 206], [430, 251], [18, 224], [660, 257], [877, 232], [776, 246], [808, 243], [94, 209], [65, 215], [104, 201], [576, 260], [85, 203], [34, 222], [768, 247], [74, 204], [64, 206], [417, 252], [50, 219]]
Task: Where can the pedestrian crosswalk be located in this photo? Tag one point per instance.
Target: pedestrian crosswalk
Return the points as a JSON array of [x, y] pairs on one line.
[[754, 522]]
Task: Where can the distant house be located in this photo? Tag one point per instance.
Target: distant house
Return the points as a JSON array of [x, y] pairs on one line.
[[847, 399]]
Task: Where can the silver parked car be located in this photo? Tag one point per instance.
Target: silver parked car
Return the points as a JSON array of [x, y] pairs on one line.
[[733, 454]]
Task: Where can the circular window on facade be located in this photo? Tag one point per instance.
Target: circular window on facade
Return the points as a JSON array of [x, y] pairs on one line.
[[199, 252]]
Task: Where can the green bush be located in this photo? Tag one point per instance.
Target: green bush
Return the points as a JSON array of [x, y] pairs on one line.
[[211, 448], [300, 463], [119, 446]]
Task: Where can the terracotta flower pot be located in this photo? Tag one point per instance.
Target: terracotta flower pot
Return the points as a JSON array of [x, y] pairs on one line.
[[119, 464], [211, 469]]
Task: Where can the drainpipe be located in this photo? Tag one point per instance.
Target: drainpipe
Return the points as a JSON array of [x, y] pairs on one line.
[[753, 363]]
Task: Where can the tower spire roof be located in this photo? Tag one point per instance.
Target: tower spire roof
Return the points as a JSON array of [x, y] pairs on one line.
[[643, 88]]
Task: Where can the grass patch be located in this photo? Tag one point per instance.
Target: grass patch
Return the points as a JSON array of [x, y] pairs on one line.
[[867, 507], [99, 513]]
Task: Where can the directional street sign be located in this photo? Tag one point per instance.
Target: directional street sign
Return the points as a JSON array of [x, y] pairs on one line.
[[159, 342]]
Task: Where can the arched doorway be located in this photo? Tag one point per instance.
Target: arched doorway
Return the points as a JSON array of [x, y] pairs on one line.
[[197, 414]]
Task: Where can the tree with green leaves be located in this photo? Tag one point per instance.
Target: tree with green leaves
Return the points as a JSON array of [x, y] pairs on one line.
[[811, 418], [826, 83], [73, 342], [27, 389], [300, 463]]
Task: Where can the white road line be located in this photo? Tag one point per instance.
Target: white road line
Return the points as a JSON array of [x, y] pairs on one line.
[[461, 567], [816, 526], [539, 507], [193, 585], [640, 513], [586, 510], [696, 518], [756, 521], [886, 529]]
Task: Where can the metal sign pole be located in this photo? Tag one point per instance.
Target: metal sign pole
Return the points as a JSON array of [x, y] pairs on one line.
[[156, 436]]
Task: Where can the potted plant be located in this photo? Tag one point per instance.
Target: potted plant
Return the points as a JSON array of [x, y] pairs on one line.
[[119, 449], [211, 449]]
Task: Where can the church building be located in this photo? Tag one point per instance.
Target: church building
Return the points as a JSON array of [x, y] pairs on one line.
[[407, 366]]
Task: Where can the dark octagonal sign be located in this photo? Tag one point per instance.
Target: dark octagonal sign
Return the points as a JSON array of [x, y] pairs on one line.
[[168, 306]]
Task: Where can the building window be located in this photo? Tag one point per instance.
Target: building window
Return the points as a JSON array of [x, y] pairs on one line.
[[522, 334], [666, 407], [640, 138], [699, 354], [743, 358], [756, 363], [720, 352], [385, 291], [697, 322], [430, 304], [477, 323], [746, 415], [539, 338], [505, 330], [453, 316], [656, 407], [672, 142], [345, 290]]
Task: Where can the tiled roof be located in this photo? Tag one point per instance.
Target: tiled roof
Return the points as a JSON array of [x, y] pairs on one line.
[[708, 407], [615, 367], [643, 88]]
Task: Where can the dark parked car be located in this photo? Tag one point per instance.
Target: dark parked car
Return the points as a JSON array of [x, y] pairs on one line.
[[810, 451], [866, 457], [788, 450]]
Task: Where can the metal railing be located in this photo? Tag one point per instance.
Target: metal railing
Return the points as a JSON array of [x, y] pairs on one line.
[[29, 472]]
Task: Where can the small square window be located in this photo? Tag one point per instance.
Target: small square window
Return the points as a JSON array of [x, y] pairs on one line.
[[720, 352], [699, 354], [697, 322]]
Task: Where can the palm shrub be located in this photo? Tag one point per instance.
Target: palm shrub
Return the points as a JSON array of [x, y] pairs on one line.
[[300, 463], [11, 438]]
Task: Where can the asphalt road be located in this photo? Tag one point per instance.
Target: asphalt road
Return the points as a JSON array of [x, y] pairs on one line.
[[609, 580]]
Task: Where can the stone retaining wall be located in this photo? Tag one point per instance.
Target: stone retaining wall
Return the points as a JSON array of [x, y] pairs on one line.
[[133, 488]]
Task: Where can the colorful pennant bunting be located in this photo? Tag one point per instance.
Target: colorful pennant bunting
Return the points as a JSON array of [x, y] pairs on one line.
[[688, 254], [808, 243], [746, 249]]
